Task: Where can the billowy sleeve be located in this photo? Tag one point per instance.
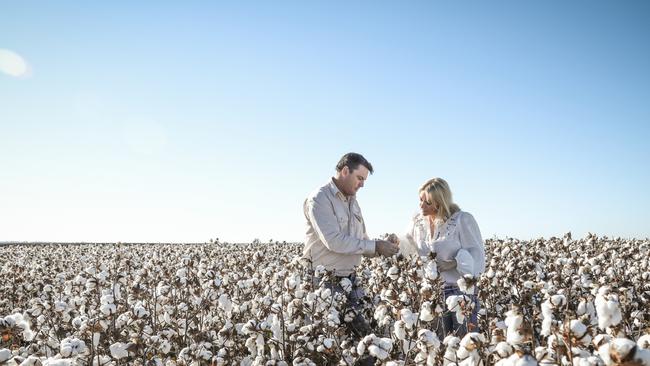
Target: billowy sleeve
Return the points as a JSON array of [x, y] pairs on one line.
[[470, 258], [319, 212], [407, 242]]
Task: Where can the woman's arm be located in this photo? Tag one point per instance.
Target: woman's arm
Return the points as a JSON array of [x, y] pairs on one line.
[[471, 257], [410, 245]]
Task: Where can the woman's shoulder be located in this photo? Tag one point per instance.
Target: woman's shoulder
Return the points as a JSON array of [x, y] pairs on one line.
[[465, 219], [461, 216], [458, 218], [464, 216]]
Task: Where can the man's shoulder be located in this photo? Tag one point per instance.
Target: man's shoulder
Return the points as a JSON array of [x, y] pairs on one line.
[[320, 193]]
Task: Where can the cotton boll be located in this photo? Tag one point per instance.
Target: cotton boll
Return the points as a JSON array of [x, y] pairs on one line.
[[333, 318], [107, 299], [600, 340], [319, 271], [71, 347], [409, 318], [467, 284], [377, 351], [346, 284], [328, 343], [395, 363], [388, 295], [586, 308], [428, 338], [361, 348], [547, 309], [5, 354], [399, 329], [622, 350], [644, 341], [454, 304], [426, 313], [431, 270], [225, 303], [349, 316], [426, 292], [393, 273], [324, 293], [579, 330], [108, 309], [607, 308], [548, 326], [452, 343], [472, 341], [404, 298], [140, 311], [513, 321], [380, 311], [119, 350], [251, 346], [558, 301], [60, 306], [504, 349], [384, 343], [31, 361], [520, 360]]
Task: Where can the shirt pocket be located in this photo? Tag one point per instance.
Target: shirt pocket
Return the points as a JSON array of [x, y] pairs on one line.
[[342, 219]]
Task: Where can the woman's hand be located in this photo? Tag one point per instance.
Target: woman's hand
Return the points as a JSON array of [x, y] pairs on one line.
[[444, 266]]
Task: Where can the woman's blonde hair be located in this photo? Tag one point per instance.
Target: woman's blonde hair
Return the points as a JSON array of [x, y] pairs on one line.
[[438, 193]]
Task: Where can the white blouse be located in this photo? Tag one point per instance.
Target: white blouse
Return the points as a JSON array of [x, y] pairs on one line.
[[457, 238]]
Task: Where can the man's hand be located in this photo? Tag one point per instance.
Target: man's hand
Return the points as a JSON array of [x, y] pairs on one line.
[[386, 248], [445, 265], [391, 238]]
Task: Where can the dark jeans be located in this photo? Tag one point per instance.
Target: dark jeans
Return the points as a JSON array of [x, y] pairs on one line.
[[358, 325], [355, 294], [450, 323]]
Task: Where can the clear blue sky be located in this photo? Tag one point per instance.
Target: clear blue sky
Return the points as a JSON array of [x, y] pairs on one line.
[[161, 121]]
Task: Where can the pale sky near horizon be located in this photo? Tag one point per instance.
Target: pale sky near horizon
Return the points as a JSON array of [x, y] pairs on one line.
[[156, 121]]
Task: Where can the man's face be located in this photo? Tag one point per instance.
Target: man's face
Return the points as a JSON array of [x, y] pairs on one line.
[[352, 181]]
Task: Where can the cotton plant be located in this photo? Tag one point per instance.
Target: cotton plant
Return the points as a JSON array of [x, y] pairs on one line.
[[451, 345], [428, 346], [621, 351], [607, 308], [377, 347], [15, 328], [467, 284], [551, 310], [461, 306], [157, 301]]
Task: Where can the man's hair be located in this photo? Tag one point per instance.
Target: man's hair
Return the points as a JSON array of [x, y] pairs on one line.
[[352, 161]]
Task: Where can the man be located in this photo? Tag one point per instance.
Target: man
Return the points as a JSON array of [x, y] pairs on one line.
[[336, 232]]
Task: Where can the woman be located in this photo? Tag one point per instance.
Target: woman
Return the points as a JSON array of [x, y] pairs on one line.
[[442, 228]]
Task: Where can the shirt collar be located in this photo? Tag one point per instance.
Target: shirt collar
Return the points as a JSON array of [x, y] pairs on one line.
[[336, 192]]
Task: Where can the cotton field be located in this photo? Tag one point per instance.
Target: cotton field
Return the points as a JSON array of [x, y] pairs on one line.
[[544, 302]]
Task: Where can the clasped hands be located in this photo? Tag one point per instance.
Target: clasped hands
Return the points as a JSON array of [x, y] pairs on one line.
[[389, 246]]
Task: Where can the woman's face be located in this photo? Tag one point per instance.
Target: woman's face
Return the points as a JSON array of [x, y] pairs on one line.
[[427, 207]]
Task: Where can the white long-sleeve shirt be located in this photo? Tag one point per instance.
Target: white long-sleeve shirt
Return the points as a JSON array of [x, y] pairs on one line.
[[336, 233], [457, 238]]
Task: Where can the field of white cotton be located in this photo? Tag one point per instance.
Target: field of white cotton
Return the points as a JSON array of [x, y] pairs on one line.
[[556, 301]]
